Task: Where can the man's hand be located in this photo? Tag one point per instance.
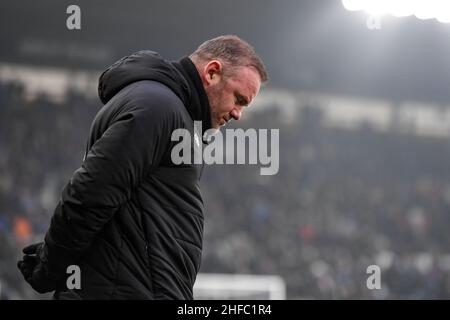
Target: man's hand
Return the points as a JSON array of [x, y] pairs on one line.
[[34, 269], [30, 260]]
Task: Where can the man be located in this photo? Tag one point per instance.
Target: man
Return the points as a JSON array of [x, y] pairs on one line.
[[129, 218]]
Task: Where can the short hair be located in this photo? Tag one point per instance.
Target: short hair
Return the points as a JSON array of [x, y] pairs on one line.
[[232, 51]]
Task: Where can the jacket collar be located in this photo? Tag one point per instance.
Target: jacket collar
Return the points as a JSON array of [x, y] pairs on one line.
[[198, 103]]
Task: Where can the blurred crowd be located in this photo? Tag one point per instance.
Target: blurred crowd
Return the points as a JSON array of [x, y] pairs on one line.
[[41, 144], [343, 200]]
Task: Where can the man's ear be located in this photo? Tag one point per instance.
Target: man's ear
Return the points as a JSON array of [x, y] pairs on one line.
[[213, 72]]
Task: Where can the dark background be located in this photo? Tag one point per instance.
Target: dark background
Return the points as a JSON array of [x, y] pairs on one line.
[[307, 44]]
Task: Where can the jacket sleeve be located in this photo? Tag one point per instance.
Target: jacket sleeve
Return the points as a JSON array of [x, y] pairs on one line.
[[116, 164]]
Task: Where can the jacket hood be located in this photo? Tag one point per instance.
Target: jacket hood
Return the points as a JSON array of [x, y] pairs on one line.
[[181, 77], [142, 65]]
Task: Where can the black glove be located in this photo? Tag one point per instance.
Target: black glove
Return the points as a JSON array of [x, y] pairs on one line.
[[34, 270], [30, 260]]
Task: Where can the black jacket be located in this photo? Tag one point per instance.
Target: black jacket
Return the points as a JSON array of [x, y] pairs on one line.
[[130, 218]]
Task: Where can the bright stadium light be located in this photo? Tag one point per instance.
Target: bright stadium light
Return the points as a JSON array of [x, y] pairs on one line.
[[353, 5], [444, 18], [402, 8], [444, 13], [422, 9], [426, 9], [377, 7]]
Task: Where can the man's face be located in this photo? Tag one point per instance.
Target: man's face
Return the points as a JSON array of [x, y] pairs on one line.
[[229, 96]]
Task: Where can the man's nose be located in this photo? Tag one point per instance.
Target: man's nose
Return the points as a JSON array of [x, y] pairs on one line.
[[236, 113]]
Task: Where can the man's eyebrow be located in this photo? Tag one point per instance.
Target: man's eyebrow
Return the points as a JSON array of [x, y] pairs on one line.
[[242, 100]]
